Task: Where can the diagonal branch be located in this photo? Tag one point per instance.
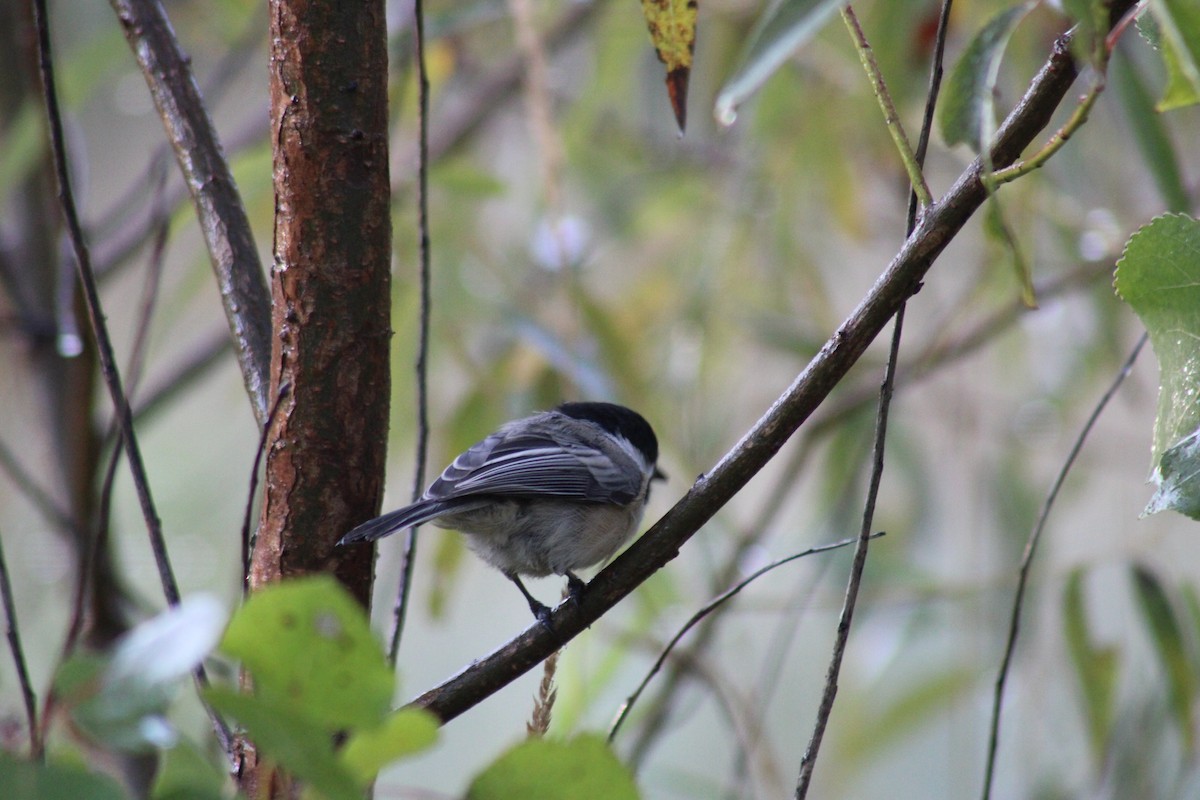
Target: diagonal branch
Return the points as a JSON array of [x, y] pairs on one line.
[[662, 542], [1031, 544], [219, 209]]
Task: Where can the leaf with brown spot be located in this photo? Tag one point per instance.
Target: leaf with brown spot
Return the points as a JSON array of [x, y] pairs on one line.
[[672, 25]]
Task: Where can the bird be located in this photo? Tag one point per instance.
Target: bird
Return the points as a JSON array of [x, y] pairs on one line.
[[551, 493]]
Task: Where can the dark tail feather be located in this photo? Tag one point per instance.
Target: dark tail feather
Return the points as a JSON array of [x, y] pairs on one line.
[[397, 520]]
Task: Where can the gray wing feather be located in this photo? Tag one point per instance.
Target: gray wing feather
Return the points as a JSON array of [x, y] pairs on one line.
[[536, 465], [401, 518]]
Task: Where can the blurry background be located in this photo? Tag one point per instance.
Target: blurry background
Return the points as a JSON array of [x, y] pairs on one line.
[[593, 253]]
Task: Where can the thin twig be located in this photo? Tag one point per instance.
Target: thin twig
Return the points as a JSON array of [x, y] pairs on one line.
[[98, 537], [247, 540], [1103, 52], [931, 96], [18, 656], [935, 355], [1055, 143], [112, 377], [108, 365], [28, 486], [216, 84], [923, 200], [409, 556], [1031, 544], [705, 610], [891, 119], [808, 762], [186, 370]]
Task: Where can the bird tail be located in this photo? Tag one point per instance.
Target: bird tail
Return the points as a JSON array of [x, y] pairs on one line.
[[398, 520]]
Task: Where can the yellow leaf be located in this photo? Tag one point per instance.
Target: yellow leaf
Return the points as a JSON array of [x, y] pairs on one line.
[[672, 25]]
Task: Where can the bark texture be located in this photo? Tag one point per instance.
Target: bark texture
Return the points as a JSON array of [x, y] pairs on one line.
[[330, 285]]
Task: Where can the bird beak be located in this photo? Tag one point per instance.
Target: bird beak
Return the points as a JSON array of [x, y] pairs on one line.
[[658, 475]]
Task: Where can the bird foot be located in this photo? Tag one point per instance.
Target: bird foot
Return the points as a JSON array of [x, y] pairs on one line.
[[575, 588]]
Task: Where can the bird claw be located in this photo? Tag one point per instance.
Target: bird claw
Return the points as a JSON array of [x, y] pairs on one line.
[[542, 613], [575, 589]]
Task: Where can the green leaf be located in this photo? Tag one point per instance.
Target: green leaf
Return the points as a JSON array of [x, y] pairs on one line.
[[1167, 636], [121, 701], [1179, 28], [28, 780], [783, 27], [309, 645], [184, 773], [1159, 276], [967, 113], [583, 768], [896, 720], [1095, 667], [1149, 133], [1176, 475], [1191, 603], [407, 731], [284, 733]]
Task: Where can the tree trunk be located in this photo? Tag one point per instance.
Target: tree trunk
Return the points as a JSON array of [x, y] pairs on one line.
[[330, 286]]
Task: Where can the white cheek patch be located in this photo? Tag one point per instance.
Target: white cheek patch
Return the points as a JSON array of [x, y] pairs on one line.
[[638, 457]]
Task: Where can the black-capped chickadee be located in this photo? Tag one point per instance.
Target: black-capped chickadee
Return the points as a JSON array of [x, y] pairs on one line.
[[548, 494]]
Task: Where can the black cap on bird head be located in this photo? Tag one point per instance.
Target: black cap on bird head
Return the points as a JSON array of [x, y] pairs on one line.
[[619, 421]]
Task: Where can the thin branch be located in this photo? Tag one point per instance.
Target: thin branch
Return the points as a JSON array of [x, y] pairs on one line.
[[108, 365], [222, 217], [1031, 544], [97, 541], [18, 656], [216, 84], [931, 95], [808, 762], [28, 486], [409, 556], [486, 98], [917, 200], [247, 539], [117, 247], [187, 369], [936, 354], [866, 55], [87, 279], [1055, 143], [1102, 53], [795, 405], [705, 610]]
